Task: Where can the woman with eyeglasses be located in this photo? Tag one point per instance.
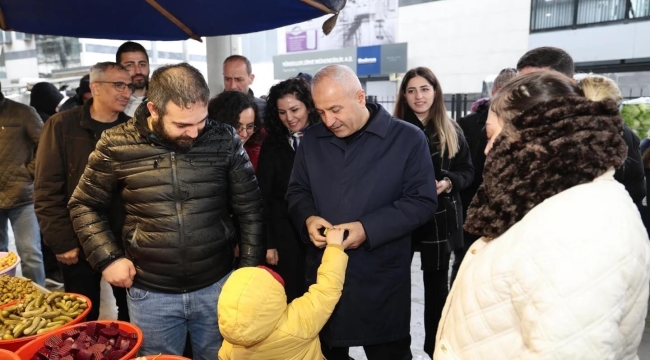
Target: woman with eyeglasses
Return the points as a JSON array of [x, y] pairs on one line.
[[421, 103], [240, 111], [289, 111]]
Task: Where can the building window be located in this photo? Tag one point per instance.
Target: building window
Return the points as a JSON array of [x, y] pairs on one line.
[[553, 14], [19, 35]]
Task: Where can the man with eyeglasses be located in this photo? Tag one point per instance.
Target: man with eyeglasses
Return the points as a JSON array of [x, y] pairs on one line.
[[179, 174], [67, 140], [134, 58]]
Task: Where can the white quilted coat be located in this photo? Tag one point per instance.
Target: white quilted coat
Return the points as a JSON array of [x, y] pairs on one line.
[[569, 281]]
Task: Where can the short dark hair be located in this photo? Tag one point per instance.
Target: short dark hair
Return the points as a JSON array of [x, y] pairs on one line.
[[129, 46], [249, 67], [227, 106], [550, 57], [182, 84], [302, 91]]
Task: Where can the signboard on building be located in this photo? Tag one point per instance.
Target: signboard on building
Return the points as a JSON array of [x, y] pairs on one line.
[[360, 23], [287, 66], [365, 61]]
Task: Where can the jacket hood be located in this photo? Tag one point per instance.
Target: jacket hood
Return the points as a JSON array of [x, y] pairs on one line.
[[251, 304], [45, 97]]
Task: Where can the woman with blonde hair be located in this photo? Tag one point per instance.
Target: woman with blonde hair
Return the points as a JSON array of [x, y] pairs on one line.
[[632, 173], [421, 103], [562, 268]]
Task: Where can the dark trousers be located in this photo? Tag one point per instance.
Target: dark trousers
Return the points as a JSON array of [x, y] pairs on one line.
[[80, 278], [436, 289], [395, 350], [292, 269], [50, 264], [459, 255], [435, 295]]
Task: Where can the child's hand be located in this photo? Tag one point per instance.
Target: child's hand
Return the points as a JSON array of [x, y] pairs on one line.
[[334, 236]]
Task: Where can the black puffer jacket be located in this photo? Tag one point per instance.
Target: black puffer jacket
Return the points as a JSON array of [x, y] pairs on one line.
[[20, 129], [631, 174], [178, 231]]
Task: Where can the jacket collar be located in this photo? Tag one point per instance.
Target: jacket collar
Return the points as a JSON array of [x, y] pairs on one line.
[[380, 121], [86, 118]]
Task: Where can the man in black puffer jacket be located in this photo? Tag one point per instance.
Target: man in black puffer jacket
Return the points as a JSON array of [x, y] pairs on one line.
[[177, 173]]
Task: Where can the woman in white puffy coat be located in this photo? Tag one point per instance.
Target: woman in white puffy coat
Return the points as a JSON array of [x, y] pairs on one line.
[[563, 267]]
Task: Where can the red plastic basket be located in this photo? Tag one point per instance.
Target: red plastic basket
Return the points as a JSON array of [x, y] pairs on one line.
[[16, 344], [28, 350], [8, 355]]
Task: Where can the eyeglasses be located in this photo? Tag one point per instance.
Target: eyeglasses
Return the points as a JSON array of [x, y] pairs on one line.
[[119, 86], [250, 128]]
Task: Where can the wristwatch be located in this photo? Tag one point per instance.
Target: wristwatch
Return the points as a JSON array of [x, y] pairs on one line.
[[451, 185]]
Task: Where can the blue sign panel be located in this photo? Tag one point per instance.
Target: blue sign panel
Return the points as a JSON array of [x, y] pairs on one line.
[[369, 60]]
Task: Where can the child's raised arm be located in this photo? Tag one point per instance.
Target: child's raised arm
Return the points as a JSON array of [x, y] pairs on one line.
[[311, 311]]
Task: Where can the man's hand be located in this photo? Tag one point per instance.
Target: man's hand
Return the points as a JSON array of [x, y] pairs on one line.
[[334, 236], [272, 257], [356, 237], [120, 273], [315, 223], [69, 258]]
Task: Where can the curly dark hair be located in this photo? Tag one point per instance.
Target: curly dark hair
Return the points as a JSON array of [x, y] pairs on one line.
[[298, 87], [551, 147], [227, 106]]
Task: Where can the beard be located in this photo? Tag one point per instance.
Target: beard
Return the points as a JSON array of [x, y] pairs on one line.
[[140, 82], [180, 144]]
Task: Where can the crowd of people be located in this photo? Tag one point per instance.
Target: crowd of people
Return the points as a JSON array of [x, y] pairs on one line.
[[285, 227]]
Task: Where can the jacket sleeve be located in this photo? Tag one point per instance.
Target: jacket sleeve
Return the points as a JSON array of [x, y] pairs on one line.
[[631, 174], [417, 205], [579, 294], [309, 313], [246, 202], [265, 180], [461, 172], [91, 199], [34, 125], [50, 198], [299, 196]]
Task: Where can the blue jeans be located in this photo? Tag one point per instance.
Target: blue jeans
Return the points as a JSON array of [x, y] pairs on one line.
[[165, 320], [28, 240]]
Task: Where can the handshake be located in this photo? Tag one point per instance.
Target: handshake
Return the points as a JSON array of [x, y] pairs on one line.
[[334, 236], [321, 233]]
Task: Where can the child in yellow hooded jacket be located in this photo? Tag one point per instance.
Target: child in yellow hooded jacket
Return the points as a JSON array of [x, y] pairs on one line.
[[257, 323]]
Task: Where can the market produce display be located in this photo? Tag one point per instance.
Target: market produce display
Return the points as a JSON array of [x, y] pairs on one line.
[[90, 341], [15, 288], [636, 114], [8, 261], [37, 314]]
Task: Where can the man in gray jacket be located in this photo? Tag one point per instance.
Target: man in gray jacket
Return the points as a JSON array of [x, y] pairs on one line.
[[20, 128]]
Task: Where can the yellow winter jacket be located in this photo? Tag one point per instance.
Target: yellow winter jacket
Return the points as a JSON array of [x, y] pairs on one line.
[[257, 323]]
